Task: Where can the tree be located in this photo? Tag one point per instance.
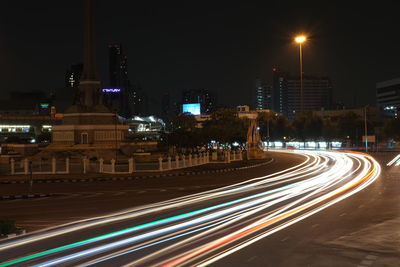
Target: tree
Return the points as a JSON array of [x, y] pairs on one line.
[[184, 121], [350, 126], [226, 127], [183, 133], [44, 137], [308, 125], [391, 129], [279, 126], [329, 129]]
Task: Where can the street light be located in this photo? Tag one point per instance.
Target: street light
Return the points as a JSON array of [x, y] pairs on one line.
[[300, 39], [268, 131]]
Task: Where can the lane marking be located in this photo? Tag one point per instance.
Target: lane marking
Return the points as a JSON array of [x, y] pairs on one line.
[[371, 257], [251, 258], [366, 262]]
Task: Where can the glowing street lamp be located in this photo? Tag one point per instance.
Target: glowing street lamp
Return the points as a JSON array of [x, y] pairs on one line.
[[300, 39]]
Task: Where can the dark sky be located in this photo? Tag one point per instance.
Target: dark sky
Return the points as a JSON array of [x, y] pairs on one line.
[[198, 44]]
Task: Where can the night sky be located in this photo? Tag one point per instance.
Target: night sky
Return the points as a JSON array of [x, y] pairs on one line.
[[200, 44]]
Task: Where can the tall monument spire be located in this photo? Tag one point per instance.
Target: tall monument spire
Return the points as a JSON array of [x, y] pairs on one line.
[[89, 87], [89, 64]]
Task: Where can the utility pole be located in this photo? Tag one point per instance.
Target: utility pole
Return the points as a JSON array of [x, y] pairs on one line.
[[268, 131], [366, 129], [116, 136], [30, 176]]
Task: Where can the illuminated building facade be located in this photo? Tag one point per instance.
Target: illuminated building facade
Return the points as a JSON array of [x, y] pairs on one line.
[[388, 98], [73, 75], [263, 95], [279, 91], [317, 94], [286, 93], [118, 93]]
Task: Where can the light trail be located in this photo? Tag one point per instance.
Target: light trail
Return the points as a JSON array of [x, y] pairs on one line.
[[396, 160], [255, 209], [269, 221]]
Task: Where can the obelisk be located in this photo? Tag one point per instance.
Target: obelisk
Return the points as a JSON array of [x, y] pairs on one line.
[[88, 124], [89, 85]]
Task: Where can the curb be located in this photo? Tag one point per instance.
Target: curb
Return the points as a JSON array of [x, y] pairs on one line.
[[13, 197], [105, 179], [19, 232]]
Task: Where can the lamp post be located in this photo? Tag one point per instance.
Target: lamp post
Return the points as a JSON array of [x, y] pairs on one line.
[[366, 129], [300, 39], [268, 131]]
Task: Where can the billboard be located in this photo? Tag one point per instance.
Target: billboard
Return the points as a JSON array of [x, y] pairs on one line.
[[44, 105], [111, 90], [193, 109]]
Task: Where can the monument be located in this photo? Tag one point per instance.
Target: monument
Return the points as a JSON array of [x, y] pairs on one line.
[[88, 124], [254, 144]]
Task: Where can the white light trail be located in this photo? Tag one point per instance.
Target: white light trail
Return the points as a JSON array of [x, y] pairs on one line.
[[256, 208]]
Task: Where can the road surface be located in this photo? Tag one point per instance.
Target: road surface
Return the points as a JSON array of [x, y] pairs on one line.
[[202, 228]]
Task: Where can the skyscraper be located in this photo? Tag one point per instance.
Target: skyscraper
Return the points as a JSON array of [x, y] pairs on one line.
[[166, 106], [263, 95], [73, 75], [317, 94], [137, 100], [118, 79], [118, 67], [286, 93], [279, 91], [388, 98]]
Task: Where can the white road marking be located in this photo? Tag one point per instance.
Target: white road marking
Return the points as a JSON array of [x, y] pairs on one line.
[[365, 262], [119, 193], [251, 258], [371, 257]]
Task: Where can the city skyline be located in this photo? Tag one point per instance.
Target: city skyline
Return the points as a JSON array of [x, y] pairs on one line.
[[220, 48]]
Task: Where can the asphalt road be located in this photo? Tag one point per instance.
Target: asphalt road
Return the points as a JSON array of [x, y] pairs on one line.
[[362, 230], [219, 226], [75, 201]]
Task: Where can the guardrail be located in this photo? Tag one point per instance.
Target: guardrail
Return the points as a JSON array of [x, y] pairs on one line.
[[84, 165]]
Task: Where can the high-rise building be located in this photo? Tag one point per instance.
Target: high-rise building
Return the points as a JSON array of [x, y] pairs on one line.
[[388, 98], [279, 91], [127, 99], [118, 67], [206, 99], [286, 93], [263, 95], [73, 75], [119, 99], [137, 100], [317, 94], [166, 106]]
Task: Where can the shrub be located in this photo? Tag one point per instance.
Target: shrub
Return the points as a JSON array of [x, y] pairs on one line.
[[7, 226]]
